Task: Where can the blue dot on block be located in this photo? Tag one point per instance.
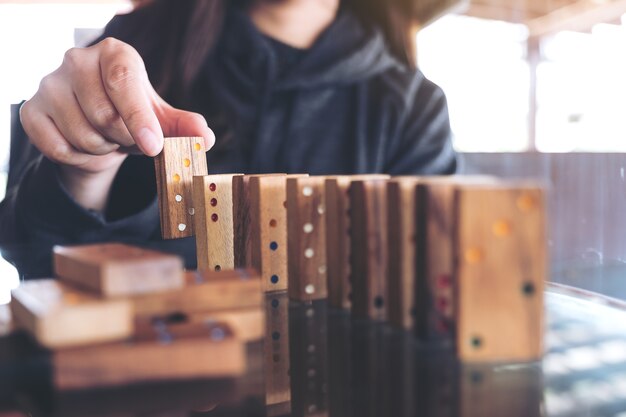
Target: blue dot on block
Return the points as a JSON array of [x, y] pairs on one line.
[[273, 246], [274, 279], [276, 335], [275, 303]]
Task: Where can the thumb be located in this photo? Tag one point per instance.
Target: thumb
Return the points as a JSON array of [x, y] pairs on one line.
[[179, 123]]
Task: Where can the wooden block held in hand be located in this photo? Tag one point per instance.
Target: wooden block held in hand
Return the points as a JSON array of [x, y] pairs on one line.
[[204, 292], [368, 209], [213, 221], [338, 237], [116, 269], [59, 316], [501, 267], [307, 238], [159, 352], [180, 160]]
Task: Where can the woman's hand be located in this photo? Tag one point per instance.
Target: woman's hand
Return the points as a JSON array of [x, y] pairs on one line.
[[94, 109]]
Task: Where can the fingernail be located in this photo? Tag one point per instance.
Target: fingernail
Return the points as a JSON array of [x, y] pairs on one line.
[[210, 139], [151, 145]]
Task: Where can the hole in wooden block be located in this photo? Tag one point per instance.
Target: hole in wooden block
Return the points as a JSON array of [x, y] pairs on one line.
[[321, 209], [274, 279], [528, 289], [309, 253], [197, 147], [212, 187], [379, 302], [178, 198], [526, 203], [213, 202], [218, 268], [476, 342], [214, 217], [182, 227], [474, 255], [307, 191], [186, 163], [308, 228], [273, 246], [273, 223], [275, 303], [191, 211], [176, 178], [276, 335], [502, 228], [309, 289]]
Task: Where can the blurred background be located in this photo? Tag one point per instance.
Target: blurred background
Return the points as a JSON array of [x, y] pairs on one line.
[[536, 88]]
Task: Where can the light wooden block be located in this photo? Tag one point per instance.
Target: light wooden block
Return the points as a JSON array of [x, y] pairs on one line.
[[402, 213], [306, 226], [60, 316], [180, 160], [268, 229], [159, 352], [204, 292], [338, 237], [247, 324], [213, 221], [369, 250], [501, 268], [276, 351], [116, 269]]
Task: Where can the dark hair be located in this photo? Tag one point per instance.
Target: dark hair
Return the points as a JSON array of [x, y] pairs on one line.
[[195, 25]]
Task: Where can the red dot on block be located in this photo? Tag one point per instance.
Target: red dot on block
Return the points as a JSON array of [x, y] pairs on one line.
[[212, 187], [214, 217], [442, 303], [444, 281], [214, 202]]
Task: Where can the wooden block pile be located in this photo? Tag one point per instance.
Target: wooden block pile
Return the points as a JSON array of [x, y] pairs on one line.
[[458, 260], [119, 314]]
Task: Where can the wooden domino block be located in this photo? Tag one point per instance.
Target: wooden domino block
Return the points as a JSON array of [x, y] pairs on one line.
[[268, 229], [180, 160], [115, 269], [368, 209], [276, 352], [338, 237], [158, 352], [213, 221], [501, 267], [307, 238], [59, 316], [204, 292], [402, 214]]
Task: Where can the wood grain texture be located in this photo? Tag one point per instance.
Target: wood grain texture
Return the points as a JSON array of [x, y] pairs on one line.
[[59, 316], [369, 250], [402, 238], [116, 269], [204, 292], [276, 350], [501, 266], [268, 229], [163, 352], [213, 221], [180, 160], [338, 237], [306, 226]]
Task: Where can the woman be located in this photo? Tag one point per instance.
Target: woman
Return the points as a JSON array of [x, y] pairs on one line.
[[324, 87]]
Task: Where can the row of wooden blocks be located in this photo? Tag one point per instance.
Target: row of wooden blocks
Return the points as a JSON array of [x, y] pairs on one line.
[[119, 314], [459, 259]]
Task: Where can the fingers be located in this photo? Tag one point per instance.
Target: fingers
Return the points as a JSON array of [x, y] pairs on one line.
[[175, 122], [125, 82]]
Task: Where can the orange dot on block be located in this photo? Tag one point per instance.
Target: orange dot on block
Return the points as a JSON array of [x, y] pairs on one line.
[[474, 255], [526, 202], [176, 178], [186, 162], [197, 147], [502, 228]]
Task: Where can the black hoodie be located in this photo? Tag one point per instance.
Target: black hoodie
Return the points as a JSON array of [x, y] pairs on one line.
[[344, 106]]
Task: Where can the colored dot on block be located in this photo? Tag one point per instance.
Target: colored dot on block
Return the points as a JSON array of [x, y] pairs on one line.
[[186, 163], [474, 255], [275, 303], [476, 342], [176, 178], [444, 281], [309, 253], [274, 279], [212, 187], [309, 289], [307, 191], [442, 304], [213, 202], [218, 268], [197, 147], [502, 228], [379, 302], [273, 223], [526, 203], [273, 245], [182, 227], [214, 217], [308, 228], [276, 335]]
